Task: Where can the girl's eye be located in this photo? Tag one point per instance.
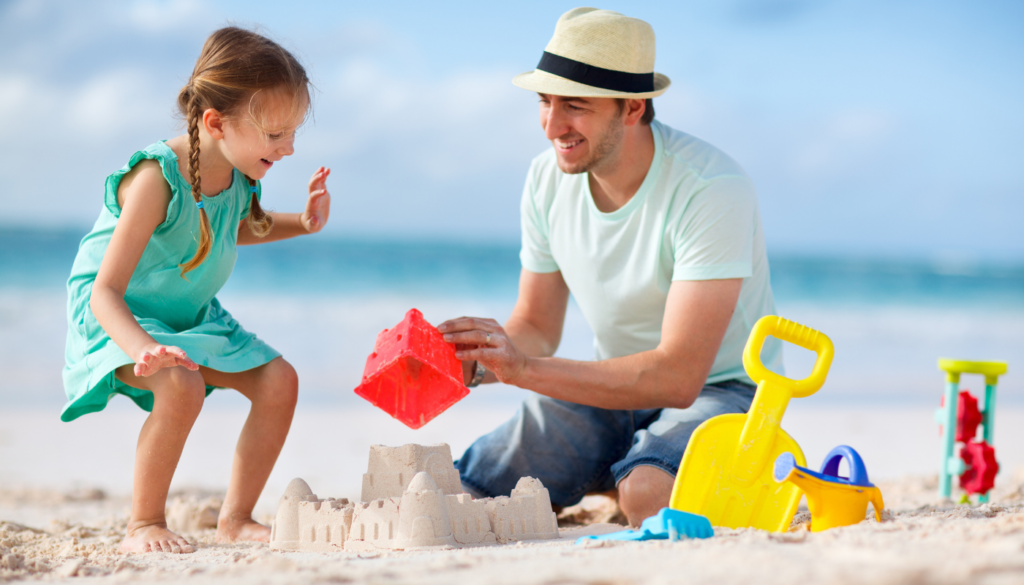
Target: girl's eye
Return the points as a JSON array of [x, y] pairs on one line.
[[275, 136]]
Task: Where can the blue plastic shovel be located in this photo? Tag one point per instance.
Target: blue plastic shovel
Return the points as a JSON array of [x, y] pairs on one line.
[[666, 524]]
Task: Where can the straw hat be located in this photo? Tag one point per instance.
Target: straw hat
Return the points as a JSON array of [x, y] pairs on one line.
[[597, 53]]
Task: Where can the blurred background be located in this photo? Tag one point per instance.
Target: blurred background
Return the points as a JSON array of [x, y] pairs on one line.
[[886, 141]]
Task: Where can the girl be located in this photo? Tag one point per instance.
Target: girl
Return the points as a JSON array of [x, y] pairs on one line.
[[143, 318]]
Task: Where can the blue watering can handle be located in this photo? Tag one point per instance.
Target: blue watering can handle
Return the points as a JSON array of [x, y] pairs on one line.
[[858, 472]]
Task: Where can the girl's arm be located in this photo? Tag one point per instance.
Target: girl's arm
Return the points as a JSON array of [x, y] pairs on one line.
[[143, 196], [289, 225]]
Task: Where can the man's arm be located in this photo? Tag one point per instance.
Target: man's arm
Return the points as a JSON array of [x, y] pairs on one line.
[[697, 314]]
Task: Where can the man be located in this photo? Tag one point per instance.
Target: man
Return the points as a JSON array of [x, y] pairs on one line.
[[657, 235]]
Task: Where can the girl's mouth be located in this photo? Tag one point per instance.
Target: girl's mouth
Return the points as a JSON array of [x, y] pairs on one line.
[[266, 162]]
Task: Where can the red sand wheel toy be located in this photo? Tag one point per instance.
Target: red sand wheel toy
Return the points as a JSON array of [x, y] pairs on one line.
[[958, 423]]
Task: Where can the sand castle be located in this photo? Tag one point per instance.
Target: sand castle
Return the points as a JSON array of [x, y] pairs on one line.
[[412, 498]]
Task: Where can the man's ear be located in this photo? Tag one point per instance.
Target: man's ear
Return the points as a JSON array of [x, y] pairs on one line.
[[634, 110], [213, 122]]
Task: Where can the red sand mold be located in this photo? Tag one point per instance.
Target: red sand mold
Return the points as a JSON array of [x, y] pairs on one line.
[[412, 374]]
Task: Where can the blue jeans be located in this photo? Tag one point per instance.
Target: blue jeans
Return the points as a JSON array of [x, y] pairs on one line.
[[575, 449]]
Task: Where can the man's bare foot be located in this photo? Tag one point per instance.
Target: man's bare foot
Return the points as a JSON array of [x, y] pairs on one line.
[[247, 529], [154, 538]]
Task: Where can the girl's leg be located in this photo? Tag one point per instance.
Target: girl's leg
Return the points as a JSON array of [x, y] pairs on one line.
[[177, 399], [273, 389]]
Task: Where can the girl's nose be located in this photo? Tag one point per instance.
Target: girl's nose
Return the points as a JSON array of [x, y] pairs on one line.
[[288, 148]]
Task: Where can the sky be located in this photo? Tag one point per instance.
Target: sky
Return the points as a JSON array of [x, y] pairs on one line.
[[870, 128]]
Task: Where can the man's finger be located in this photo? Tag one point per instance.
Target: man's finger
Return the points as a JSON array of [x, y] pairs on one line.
[[468, 324], [473, 337], [479, 353]]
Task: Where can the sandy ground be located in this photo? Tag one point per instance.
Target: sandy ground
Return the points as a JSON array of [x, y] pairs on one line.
[[64, 503], [921, 540]]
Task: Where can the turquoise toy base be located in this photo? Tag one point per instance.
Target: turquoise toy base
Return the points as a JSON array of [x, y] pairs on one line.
[[666, 524]]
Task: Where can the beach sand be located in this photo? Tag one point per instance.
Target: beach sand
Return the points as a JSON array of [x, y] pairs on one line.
[[922, 540], [64, 503]]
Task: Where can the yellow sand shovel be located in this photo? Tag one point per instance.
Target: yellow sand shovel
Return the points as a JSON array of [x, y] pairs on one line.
[[726, 473]]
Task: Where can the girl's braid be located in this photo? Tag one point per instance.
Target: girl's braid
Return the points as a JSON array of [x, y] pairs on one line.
[[205, 232], [259, 222]]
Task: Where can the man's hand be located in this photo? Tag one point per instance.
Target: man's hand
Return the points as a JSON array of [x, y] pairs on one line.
[[485, 341], [318, 206]]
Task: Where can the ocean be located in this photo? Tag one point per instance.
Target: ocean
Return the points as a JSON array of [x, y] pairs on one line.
[[321, 301]]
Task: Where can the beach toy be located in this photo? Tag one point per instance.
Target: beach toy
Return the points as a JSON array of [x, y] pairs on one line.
[[413, 373], [726, 472], [833, 500], [666, 524], [959, 417]]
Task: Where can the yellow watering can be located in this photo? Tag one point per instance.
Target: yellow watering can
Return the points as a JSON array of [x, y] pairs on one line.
[[726, 472], [833, 500]]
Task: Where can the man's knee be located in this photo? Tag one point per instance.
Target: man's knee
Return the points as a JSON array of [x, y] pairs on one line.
[[644, 491]]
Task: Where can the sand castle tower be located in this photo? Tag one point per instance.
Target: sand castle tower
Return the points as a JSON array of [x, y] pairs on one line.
[[391, 469], [525, 515], [285, 533], [422, 516]]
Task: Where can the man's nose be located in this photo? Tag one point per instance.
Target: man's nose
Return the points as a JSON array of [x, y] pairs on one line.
[[554, 123]]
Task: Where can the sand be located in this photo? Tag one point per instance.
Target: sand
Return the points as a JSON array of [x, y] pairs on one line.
[[922, 540], [64, 504]]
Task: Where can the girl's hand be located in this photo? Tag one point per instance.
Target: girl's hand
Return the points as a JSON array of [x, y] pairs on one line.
[[156, 357], [318, 206]]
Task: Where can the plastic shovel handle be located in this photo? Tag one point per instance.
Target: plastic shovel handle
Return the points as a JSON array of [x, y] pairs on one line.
[[796, 334]]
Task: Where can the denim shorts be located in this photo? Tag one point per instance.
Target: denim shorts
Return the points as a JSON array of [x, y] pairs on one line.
[[575, 449]]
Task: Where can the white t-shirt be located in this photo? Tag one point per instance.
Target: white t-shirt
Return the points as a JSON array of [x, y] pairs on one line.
[[695, 217]]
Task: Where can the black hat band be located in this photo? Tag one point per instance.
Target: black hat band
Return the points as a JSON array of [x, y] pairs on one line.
[[596, 76]]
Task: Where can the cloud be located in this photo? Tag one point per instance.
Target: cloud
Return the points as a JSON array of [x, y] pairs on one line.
[[167, 15], [841, 145]]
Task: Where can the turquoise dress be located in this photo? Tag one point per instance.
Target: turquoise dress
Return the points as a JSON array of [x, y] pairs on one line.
[[174, 310]]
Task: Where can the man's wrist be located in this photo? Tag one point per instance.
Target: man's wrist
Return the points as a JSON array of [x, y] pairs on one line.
[[479, 371], [526, 371]]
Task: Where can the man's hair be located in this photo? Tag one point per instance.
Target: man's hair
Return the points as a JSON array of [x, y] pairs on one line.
[[648, 110]]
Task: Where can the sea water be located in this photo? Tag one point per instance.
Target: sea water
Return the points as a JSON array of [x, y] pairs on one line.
[[321, 301]]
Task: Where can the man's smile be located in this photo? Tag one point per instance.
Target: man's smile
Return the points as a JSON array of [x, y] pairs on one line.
[[567, 145]]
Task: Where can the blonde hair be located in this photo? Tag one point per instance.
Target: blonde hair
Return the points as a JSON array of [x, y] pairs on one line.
[[233, 68]]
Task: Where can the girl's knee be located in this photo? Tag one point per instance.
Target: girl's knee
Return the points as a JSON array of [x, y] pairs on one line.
[[181, 392], [280, 383]]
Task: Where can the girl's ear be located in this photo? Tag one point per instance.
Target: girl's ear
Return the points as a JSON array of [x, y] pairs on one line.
[[213, 123]]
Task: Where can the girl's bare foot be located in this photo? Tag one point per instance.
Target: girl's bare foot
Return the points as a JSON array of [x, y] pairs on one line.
[[154, 538], [242, 530]]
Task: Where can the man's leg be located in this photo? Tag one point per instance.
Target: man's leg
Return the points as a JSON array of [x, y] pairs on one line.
[[643, 492], [646, 475], [569, 447]]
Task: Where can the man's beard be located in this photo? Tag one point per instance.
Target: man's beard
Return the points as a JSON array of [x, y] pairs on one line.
[[600, 152]]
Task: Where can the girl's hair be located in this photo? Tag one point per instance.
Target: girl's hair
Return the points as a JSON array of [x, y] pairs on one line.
[[236, 65]]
